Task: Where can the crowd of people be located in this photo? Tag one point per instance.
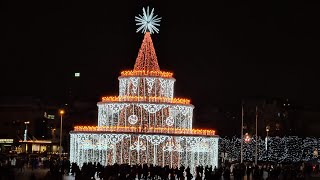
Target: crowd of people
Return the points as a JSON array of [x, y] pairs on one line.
[[58, 168], [10, 166], [270, 171], [264, 171], [90, 171]]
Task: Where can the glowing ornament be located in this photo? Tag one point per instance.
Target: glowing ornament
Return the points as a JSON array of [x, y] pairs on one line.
[[138, 146], [169, 146], [133, 119], [170, 121]]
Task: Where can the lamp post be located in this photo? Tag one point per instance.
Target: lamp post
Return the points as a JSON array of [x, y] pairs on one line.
[[26, 130], [267, 130], [26, 135], [61, 112]]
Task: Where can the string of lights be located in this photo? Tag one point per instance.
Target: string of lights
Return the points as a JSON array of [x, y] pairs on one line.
[[185, 131], [145, 99], [279, 149], [148, 73]]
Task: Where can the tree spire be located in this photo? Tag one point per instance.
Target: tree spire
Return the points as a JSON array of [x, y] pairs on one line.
[[147, 58]]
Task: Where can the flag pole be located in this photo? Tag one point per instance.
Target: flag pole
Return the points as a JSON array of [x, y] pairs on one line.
[[241, 148], [256, 149]]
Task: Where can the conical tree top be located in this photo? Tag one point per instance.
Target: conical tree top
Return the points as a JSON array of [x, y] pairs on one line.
[[147, 58]]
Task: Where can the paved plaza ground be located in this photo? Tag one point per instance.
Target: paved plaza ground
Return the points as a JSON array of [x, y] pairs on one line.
[[37, 174], [44, 174]]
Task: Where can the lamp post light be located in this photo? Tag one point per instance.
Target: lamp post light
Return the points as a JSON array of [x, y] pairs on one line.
[[61, 112], [247, 138]]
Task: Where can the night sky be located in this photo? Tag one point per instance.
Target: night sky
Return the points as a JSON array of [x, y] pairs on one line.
[[219, 51]]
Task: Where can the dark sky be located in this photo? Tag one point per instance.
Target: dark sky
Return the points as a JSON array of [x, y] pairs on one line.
[[219, 51]]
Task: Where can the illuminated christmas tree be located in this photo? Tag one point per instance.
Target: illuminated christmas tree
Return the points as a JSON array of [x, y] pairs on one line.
[[145, 123]]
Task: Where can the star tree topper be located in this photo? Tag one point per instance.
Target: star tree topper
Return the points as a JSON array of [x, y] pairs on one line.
[[147, 22]]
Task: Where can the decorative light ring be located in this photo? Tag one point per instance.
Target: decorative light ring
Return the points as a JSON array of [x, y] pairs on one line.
[[115, 138], [133, 119], [116, 107], [169, 121]]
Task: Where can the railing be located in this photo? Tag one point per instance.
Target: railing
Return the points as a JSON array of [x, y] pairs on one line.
[[123, 129]]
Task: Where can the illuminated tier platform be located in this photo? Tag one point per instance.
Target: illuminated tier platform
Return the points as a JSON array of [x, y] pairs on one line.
[[145, 123], [173, 147]]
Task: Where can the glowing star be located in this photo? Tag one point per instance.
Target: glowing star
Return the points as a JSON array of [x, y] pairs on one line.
[[148, 21]]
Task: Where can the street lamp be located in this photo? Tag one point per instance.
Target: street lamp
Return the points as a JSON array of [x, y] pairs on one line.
[[267, 130], [61, 112], [247, 138], [26, 130]]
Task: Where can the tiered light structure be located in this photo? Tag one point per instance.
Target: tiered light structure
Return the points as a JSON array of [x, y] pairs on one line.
[[145, 123]]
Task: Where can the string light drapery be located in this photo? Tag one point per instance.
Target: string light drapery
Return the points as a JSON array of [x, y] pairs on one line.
[[157, 149], [280, 149], [145, 123]]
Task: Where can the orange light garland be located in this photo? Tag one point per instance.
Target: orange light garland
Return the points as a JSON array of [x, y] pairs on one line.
[[147, 73], [145, 99], [150, 130]]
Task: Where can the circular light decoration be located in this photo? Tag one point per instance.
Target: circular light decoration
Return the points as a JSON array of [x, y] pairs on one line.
[[133, 119], [169, 121]]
